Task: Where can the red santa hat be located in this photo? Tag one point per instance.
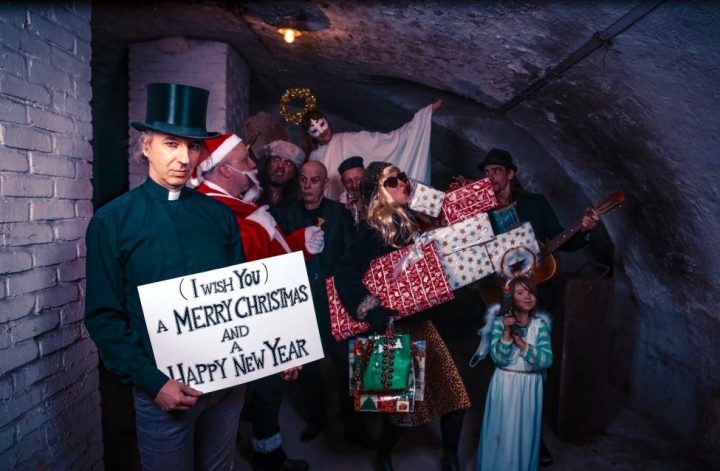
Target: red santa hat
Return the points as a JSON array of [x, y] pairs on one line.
[[218, 148]]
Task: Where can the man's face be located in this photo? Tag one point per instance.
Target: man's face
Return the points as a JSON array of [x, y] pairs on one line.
[[499, 176], [238, 161], [320, 129], [171, 159], [351, 179], [313, 180], [280, 170]]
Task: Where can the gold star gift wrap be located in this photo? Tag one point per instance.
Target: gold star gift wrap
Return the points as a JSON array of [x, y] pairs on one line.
[[463, 256]]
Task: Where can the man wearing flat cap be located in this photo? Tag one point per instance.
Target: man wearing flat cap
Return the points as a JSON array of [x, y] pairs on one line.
[[151, 234], [351, 171]]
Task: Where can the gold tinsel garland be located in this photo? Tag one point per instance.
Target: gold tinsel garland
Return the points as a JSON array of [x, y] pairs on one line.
[[293, 94]]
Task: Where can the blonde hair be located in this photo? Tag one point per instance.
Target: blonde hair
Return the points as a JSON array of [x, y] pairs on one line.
[[389, 218]]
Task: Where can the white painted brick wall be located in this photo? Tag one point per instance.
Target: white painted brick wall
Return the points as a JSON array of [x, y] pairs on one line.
[[49, 399], [214, 66]]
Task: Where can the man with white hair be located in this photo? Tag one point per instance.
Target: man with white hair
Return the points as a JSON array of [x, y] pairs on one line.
[[230, 176]]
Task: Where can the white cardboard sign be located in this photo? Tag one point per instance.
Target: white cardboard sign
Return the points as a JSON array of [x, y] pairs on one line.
[[229, 326]]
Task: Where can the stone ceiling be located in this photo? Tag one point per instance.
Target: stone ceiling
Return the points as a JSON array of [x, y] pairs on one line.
[[602, 124]]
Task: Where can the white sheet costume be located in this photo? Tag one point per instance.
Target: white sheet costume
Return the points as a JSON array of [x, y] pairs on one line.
[[408, 148]]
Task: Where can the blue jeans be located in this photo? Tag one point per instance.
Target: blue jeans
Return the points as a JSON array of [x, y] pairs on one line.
[[201, 438]]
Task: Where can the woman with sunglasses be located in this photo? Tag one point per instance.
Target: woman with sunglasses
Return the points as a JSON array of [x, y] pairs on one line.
[[390, 225]]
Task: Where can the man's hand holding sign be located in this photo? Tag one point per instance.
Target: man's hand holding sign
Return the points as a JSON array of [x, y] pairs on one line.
[[229, 326]]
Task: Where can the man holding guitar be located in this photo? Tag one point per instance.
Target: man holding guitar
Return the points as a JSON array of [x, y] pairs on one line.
[[531, 207]]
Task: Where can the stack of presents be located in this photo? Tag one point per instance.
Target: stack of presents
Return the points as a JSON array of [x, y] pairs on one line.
[[463, 249]]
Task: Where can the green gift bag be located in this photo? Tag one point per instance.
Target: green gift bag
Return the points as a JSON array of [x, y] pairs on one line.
[[388, 364]]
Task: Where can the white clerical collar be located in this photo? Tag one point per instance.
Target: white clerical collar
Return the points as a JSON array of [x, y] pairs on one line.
[[173, 195]]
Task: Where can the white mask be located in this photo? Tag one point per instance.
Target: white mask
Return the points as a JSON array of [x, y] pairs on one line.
[[317, 127]]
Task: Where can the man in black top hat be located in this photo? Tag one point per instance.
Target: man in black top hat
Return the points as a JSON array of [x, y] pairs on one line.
[[150, 234]]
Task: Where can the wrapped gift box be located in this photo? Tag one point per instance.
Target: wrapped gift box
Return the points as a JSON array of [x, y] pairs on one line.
[[390, 402], [472, 231], [504, 219], [342, 324], [469, 200], [467, 265], [420, 284], [409, 280], [419, 354], [463, 256], [384, 402], [426, 200], [514, 251]]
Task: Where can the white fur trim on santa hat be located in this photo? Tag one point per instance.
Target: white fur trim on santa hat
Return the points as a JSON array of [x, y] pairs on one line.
[[220, 153], [286, 150]]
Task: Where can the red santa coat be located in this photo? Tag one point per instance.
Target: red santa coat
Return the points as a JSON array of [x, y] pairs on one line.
[[255, 239]]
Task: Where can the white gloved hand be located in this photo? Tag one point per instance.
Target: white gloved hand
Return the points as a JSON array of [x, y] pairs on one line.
[[314, 239], [265, 219]]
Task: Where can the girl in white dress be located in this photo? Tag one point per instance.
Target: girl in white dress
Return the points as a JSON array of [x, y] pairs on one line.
[[520, 347]]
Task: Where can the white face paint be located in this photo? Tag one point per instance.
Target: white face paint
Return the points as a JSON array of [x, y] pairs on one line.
[[317, 127]]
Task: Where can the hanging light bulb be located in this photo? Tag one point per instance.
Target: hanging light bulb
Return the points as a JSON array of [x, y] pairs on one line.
[[289, 34]]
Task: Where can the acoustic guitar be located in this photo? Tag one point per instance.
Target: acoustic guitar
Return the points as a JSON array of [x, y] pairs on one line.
[[545, 264]]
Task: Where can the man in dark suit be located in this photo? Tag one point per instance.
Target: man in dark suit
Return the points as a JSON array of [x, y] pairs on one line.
[[151, 234], [337, 223]]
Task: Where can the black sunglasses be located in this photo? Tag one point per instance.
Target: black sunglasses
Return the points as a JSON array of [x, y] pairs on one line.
[[392, 182]]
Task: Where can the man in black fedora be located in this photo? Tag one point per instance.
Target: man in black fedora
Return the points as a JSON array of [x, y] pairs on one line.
[[534, 208], [150, 234]]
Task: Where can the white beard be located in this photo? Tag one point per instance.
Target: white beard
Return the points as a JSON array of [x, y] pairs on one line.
[[252, 194]]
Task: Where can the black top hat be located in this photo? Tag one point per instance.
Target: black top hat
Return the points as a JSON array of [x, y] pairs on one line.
[[178, 110], [498, 157], [351, 162]]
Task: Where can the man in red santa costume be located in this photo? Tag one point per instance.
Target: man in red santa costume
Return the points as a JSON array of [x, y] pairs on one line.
[[228, 174]]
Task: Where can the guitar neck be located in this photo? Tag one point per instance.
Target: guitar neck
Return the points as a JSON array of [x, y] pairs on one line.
[[608, 203], [560, 239]]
